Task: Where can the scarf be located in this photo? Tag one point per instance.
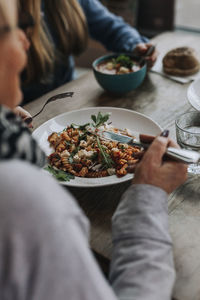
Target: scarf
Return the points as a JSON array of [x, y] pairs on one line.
[[16, 140]]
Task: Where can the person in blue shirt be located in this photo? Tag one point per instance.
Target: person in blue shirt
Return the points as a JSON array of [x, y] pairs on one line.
[[61, 30]]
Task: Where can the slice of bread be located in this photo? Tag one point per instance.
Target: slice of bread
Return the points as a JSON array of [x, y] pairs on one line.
[[181, 62]]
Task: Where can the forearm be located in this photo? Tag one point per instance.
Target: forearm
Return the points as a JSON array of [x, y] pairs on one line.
[[142, 262], [109, 29]]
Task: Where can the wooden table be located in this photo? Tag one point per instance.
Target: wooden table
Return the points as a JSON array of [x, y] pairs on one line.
[[163, 100]]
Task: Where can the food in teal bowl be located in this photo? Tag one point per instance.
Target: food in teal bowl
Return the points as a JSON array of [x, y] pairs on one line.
[[119, 73]]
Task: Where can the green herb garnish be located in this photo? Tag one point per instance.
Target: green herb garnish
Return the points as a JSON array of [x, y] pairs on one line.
[[67, 143], [83, 137], [94, 156], [59, 174], [124, 61], [106, 159], [122, 147], [100, 119], [81, 127]]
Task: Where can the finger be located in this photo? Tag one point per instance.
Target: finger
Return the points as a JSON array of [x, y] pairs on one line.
[[30, 126], [151, 60], [21, 112], [154, 56], [25, 115], [131, 168], [138, 155], [157, 150], [142, 48], [150, 63], [172, 143], [149, 45], [165, 133], [179, 168], [145, 138], [148, 139], [29, 122]]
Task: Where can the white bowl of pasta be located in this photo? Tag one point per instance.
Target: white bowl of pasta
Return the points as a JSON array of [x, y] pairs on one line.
[[78, 155]]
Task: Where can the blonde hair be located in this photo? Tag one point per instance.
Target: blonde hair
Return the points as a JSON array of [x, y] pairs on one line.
[[8, 13], [69, 25]]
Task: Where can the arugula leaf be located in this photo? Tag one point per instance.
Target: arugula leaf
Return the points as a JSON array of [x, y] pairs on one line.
[[94, 118], [83, 137], [81, 127], [94, 156], [67, 143], [100, 119], [122, 147], [59, 174], [107, 160]]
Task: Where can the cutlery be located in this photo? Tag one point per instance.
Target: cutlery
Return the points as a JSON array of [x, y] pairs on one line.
[[51, 99], [141, 58], [148, 53], [182, 155]]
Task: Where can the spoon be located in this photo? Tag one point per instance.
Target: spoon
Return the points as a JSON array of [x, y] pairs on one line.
[[51, 99]]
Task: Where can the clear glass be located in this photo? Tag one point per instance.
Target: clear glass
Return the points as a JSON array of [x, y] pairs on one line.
[[188, 135]]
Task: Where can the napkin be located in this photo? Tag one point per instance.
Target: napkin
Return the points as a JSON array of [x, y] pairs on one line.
[[158, 68]]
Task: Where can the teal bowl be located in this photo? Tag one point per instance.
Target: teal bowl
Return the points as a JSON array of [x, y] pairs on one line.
[[119, 83]]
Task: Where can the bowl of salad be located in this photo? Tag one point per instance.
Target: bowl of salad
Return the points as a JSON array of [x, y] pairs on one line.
[[119, 73]]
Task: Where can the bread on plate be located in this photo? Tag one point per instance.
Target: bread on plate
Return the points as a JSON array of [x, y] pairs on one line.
[[181, 62]]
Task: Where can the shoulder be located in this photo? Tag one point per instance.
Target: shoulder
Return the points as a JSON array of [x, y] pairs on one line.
[[91, 5]]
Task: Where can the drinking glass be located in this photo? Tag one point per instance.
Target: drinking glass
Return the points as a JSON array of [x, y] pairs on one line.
[[188, 135]]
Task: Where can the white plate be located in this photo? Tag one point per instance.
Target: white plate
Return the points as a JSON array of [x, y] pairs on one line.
[[193, 94], [120, 118]]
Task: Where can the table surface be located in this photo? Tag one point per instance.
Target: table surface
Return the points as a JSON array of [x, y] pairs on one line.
[[163, 100]]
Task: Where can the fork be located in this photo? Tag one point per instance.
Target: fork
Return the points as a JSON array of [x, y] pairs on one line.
[[51, 99], [183, 155]]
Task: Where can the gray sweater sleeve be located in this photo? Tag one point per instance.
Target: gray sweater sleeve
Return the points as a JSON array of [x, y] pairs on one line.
[[142, 262], [44, 252]]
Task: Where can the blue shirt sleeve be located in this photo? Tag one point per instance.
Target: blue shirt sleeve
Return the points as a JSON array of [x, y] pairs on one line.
[[110, 30]]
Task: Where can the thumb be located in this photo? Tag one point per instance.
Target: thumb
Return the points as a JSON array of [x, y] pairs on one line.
[[142, 48]]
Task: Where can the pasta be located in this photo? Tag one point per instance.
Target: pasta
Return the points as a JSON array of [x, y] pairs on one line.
[[82, 152]]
